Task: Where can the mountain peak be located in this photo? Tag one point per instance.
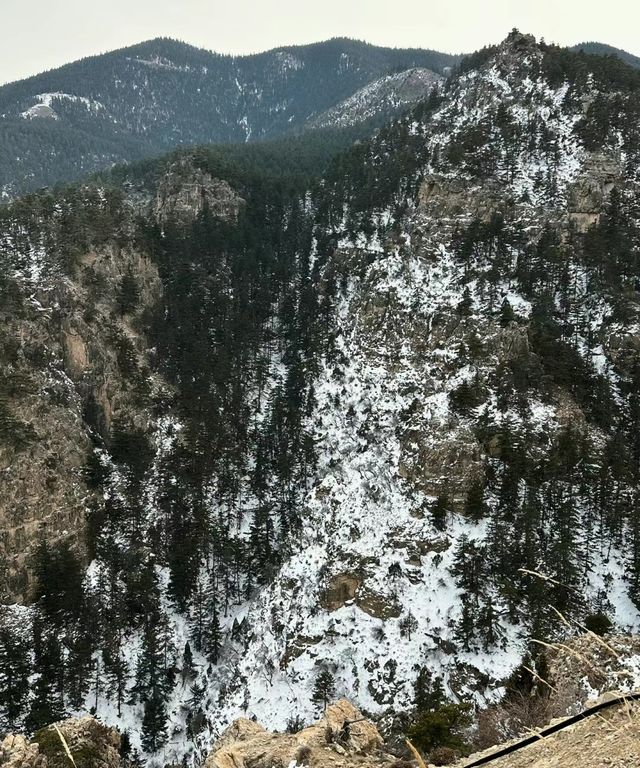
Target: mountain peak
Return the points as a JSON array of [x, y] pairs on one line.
[[519, 41]]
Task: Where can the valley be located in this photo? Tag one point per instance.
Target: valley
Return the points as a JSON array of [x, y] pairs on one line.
[[299, 421]]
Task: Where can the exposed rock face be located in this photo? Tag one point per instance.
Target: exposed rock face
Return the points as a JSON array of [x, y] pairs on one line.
[[185, 191], [326, 743], [17, 752], [589, 193], [342, 588], [347, 589], [448, 198], [587, 665], [385, 96], [71, 361], [91, 744]]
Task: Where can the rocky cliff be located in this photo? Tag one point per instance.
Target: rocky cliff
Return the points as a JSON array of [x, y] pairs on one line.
[[71, 357], [76, 358]]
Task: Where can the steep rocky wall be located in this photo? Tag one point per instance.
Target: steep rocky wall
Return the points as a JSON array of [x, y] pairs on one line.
[[63, 346], [185, 190], [77, 352]]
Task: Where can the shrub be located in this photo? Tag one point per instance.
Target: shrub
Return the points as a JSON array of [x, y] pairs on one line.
[[303, 754], [598, 623], [443, 756], [441, 727]]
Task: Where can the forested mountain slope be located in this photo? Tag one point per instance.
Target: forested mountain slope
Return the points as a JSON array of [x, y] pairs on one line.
[[161, 94], [601, 49], [364, 437]]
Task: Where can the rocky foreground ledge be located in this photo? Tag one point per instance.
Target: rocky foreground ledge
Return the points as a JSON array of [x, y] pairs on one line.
[[327, 743], [91, 744], [610, 740], [245, 744]]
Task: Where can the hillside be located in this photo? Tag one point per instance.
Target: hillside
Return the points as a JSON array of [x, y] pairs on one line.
[[149, 98], [601, 49], [381, 99], [372, 434]]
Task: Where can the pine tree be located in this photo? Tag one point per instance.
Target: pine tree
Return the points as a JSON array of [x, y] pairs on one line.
[[78, 666], [116, 667], [486, 627], [156, 662], [428, 692], [475, 507], [47, 704], [15, 670], [188, 671], [439, 512], [212, 633], [154, 722], [323, 688], [466, 627], [408, 625], [128, 294], [507, 315]]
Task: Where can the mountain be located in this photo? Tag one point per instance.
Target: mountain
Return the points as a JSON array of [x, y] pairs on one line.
[[601, 49], [275, 433], [381, 99], [149, 98]]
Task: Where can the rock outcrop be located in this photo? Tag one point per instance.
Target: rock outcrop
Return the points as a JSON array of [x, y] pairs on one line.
[[71, 360], [586, 666], [186, 190], [610, 739], [90, 744], [590, 192], [341, 739]]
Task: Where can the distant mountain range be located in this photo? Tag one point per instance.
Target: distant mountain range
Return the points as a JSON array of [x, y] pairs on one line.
[[141, 101], [146, 99], [601, 49]]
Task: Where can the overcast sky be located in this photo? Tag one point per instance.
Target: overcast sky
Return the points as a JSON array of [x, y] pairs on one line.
[[40, 34]]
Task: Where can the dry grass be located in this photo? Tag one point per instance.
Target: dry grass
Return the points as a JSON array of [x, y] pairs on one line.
[[65, 745], [417, 755]]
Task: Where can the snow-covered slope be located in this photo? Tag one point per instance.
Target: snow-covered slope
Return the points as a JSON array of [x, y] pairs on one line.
[[370, 591], [380, 99], [435, 456]]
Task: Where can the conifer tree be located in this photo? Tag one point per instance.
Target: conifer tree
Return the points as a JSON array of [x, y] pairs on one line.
[[439, 512], [47, 703], [154, 722], [128, 294], [323, 687], [15, 670]]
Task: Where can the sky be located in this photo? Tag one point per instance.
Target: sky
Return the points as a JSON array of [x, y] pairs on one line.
[[42, 34]]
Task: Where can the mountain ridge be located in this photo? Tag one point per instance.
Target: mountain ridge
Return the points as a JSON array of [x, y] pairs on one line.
[[602, 49], [398, 427], [148, 98]]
